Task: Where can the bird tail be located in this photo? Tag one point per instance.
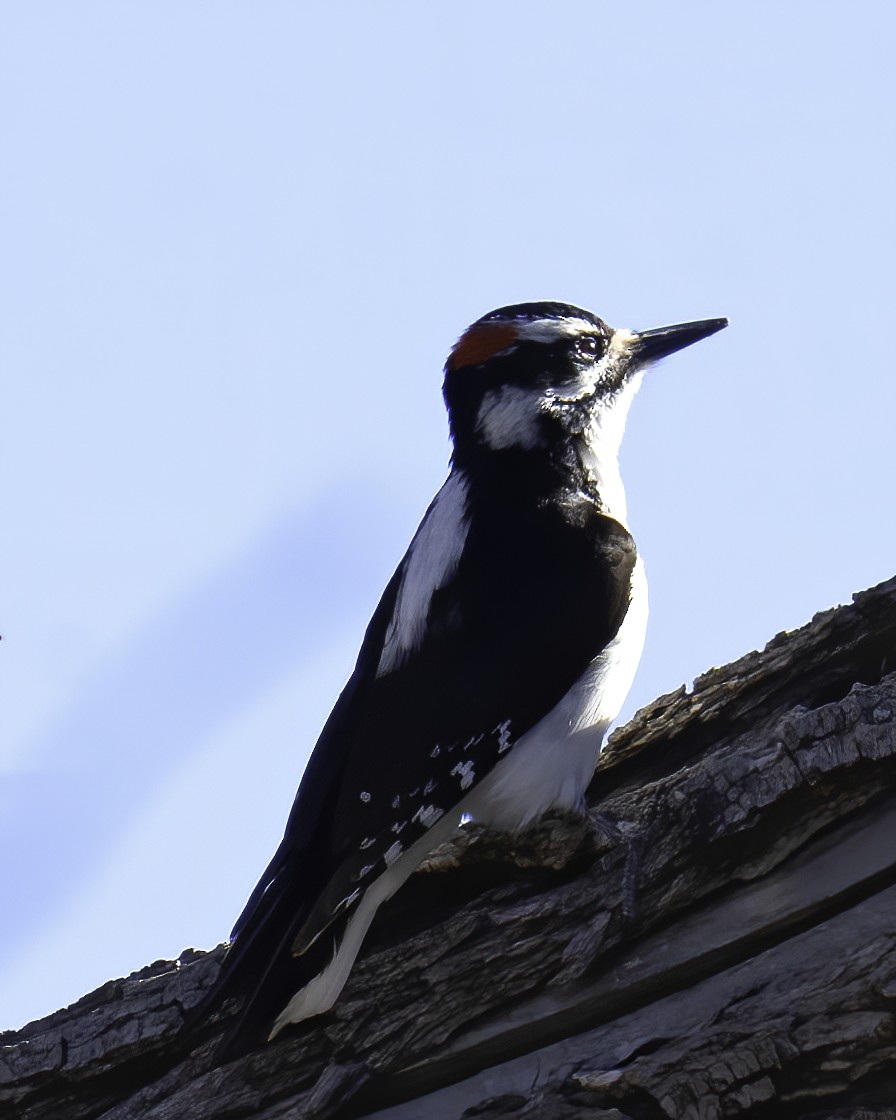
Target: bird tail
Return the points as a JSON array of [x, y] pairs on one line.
[[259, 972]]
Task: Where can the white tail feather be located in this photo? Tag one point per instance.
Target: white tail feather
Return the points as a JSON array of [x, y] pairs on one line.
[[321, 993]]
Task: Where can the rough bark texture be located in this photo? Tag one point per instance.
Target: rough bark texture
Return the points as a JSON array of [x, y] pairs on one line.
[[716, 939]]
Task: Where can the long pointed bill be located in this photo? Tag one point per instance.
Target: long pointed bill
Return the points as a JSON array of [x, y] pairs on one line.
[[652, 345]]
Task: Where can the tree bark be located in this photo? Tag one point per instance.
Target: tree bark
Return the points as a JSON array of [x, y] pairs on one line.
[[717, 938]]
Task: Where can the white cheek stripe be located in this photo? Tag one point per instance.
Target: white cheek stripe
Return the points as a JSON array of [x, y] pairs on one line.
[[508, 417], [431, 562]]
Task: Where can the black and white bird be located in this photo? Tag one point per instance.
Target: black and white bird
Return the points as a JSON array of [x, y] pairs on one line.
[[502, 649]]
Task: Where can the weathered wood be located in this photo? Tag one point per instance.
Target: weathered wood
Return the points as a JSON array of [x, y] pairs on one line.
[[717, 938]]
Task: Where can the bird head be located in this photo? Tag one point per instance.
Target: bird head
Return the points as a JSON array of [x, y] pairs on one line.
[[532, 375]]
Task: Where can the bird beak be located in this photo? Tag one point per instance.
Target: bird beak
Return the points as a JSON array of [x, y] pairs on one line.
[[649, 346]]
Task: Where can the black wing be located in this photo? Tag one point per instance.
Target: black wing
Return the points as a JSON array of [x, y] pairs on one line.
[[537, 594]]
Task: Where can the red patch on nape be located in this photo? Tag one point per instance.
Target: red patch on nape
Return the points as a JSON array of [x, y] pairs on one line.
[[480, 343]]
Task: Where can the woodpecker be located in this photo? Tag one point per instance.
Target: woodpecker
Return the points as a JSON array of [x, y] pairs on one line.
[[502, 649]]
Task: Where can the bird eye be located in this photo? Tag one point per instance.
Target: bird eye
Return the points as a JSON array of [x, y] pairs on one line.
[[589, 346]]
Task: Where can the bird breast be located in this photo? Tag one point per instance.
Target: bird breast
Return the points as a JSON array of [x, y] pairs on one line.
[[552, 763]]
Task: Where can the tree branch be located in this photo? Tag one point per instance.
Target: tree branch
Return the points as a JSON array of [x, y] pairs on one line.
[[716, 938]]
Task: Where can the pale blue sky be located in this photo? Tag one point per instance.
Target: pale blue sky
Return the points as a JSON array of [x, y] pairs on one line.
[[237, 243]]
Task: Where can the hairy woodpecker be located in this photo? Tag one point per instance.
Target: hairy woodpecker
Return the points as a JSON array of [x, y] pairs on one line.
[[500, 652]]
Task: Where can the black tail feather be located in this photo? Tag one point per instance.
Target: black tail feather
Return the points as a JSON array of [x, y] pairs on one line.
[[260, 974]]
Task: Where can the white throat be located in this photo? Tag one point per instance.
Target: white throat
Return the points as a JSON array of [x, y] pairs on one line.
[[602, 441]]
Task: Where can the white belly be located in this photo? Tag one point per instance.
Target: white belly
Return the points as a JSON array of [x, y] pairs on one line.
[[552, 763]]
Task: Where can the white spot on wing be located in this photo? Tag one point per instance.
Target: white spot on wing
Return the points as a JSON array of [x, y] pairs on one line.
[[427, 815], [430, 563], [346, 902], [391, 854], [465, 773]]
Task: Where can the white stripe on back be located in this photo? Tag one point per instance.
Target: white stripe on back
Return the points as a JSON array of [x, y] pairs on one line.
[[431, 561]]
